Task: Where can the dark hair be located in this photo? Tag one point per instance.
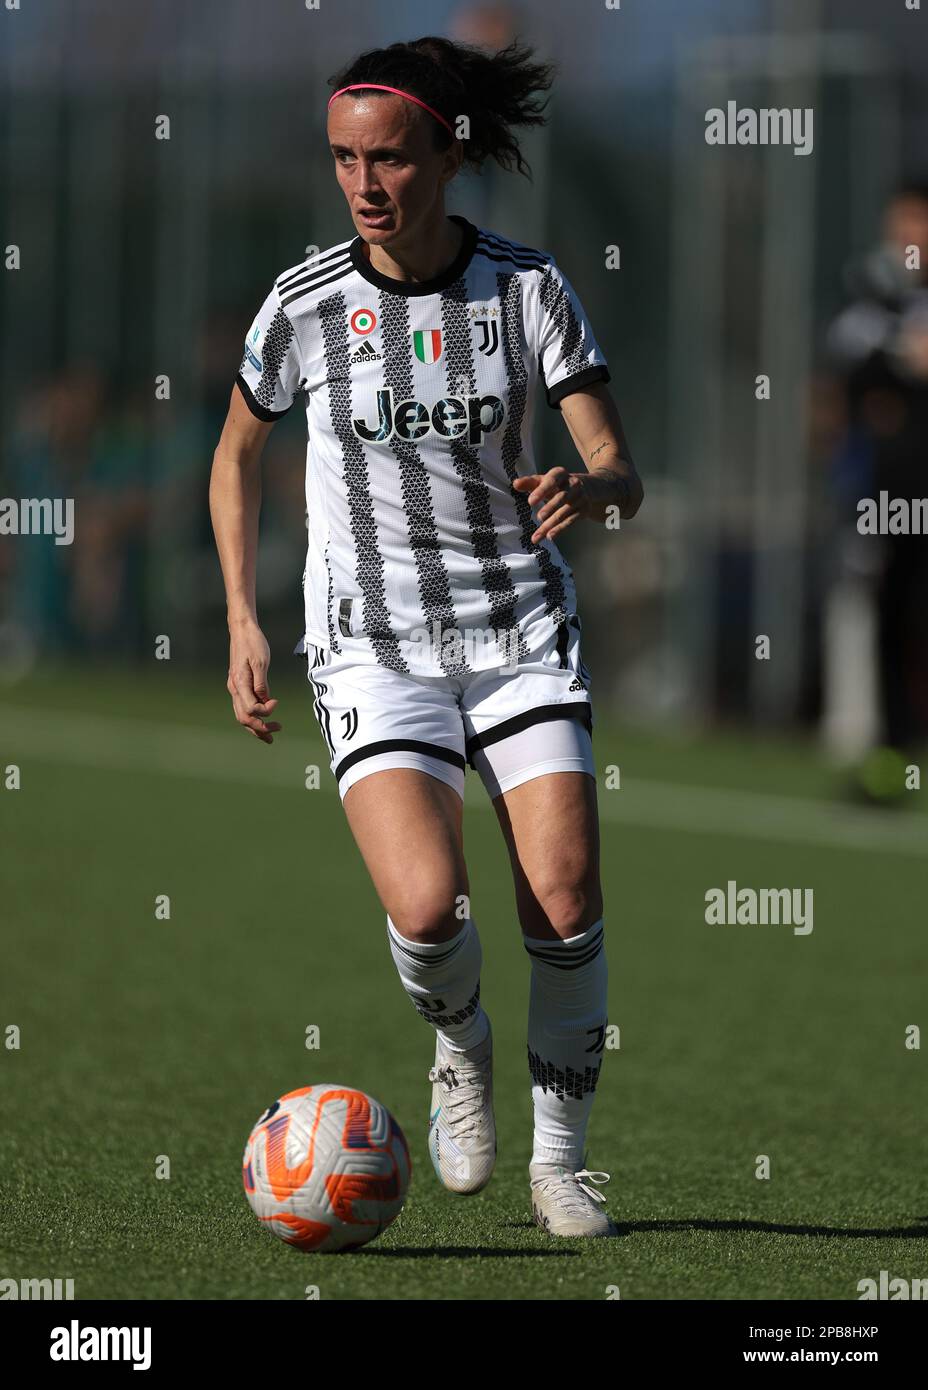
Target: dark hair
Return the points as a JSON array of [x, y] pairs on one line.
[[911, 188], [496, 91]]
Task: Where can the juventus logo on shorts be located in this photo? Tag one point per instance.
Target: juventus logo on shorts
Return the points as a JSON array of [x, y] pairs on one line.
[[350, 718], [489, 332]]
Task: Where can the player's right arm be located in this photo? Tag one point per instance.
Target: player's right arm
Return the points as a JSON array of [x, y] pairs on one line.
[[235, 505]]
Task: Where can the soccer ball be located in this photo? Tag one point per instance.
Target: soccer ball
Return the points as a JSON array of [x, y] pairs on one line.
[[326, 1168]]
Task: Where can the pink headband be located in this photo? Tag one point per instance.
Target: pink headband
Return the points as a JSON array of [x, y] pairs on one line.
[[379, 87]]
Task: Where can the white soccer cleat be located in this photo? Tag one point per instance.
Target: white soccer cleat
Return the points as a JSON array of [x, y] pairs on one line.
[[564, 1205], [462, 1131]]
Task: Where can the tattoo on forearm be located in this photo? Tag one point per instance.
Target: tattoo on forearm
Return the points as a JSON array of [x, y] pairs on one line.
[[599, 450]]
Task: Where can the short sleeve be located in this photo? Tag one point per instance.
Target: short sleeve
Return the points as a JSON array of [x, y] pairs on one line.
[[271, 372], [569, 356]]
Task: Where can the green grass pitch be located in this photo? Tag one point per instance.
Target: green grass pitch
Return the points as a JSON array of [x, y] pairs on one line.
[[142, 1038]]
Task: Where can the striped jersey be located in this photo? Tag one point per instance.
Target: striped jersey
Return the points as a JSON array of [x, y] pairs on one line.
[[419, 407]]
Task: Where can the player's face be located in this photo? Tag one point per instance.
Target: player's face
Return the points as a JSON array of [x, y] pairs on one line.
[[388, 167]]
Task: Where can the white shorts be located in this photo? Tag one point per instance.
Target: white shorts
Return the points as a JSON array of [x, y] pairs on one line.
[[510, 723]]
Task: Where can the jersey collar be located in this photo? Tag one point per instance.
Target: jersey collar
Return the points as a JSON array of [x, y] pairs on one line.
[[416, 287]]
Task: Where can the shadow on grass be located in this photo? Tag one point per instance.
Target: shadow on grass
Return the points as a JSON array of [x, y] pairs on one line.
[[626, 1228], [918, 1232]]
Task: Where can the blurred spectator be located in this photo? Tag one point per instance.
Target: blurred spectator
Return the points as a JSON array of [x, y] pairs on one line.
[[86, 597], [879, 346]]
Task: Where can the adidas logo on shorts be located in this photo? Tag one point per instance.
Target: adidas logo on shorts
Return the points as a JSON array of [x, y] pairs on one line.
[[576, 684]]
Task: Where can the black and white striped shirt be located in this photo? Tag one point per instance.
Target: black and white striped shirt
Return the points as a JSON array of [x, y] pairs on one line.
[[419, 405]]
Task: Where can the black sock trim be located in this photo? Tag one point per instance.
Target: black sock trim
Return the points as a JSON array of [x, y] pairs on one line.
[[568, 960], [407, 949]]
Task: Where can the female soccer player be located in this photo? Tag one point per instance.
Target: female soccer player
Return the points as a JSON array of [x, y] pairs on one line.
[[441, 624]]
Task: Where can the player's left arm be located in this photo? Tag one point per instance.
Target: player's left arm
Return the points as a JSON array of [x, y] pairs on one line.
[[609, 477]]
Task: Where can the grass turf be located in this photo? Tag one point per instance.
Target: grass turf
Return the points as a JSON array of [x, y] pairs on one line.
[[143, 1038]]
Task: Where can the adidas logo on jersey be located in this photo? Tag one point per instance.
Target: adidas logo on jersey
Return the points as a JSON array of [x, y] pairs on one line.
[[365, 353], [453, 417], [576, 684]]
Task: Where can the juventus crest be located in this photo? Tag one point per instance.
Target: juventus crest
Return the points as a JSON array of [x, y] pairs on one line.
[[350, 720], [489, 335]]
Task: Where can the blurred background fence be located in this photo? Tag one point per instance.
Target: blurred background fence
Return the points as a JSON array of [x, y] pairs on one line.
[[144, 258]]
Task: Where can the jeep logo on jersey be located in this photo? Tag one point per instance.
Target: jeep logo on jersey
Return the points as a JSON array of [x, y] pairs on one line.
[[426, 344], [453, 417]]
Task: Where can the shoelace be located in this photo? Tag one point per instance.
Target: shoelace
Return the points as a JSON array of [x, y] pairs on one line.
[[464, 1089], [566, 1189]]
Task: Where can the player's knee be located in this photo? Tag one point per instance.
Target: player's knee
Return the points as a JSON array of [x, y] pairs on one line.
[[428, 919], [570, 908]]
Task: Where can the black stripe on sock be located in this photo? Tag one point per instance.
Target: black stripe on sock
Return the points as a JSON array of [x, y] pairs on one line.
[[571, 959], [406, 949]]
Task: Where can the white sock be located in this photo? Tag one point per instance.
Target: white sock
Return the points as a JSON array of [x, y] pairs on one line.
[[442, 978], [566, 1036]]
